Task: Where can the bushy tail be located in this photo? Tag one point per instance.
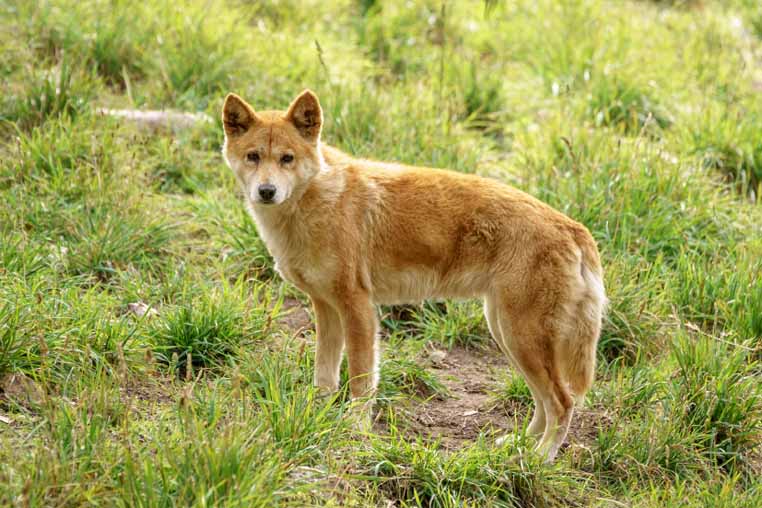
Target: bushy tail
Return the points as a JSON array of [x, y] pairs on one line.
[[580, 354]]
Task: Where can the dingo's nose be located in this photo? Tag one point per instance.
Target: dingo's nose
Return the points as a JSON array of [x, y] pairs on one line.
[[266, 192]]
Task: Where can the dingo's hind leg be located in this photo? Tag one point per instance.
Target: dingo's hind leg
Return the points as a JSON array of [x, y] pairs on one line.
[[531, 339], [537, 424]]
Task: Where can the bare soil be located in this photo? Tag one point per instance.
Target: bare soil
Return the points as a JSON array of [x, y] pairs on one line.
[[469, 409], [295, 316]]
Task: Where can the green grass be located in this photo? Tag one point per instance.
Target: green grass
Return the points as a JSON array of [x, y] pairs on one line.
[[207, 328], [652, 141]]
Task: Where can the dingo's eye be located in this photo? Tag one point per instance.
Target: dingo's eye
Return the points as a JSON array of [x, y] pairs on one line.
[[252, 157], [285, 159]]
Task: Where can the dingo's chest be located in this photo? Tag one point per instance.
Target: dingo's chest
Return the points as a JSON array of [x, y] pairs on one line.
[[299, 258], [306, 273]]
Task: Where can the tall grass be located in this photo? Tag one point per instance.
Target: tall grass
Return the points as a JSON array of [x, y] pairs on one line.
[[639, 119]]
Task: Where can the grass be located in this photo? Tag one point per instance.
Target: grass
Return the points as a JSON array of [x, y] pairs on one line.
[[652, 142], [206, 329]]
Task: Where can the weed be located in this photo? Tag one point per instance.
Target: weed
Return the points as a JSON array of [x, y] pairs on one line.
[[418, 474], [13, 350], [731, 147]]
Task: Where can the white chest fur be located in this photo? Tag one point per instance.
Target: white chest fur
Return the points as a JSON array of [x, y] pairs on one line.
[[298, 257]]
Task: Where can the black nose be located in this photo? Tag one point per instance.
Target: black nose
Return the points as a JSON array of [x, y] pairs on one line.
[[267, 191]]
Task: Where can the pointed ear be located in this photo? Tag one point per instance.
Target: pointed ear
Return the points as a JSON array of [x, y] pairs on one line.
[[306, 115], [237, 116]]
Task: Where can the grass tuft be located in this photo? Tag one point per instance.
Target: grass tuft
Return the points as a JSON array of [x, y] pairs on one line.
[[731, 147], [418, 474], [62, 90], [626, 108], [453, 323], [207, 332], [714, 396]]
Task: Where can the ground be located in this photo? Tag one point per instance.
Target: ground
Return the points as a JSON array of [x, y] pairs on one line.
[[151, 356]]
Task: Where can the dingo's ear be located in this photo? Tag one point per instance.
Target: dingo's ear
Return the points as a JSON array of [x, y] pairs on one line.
[[237, 116], [306, 115]]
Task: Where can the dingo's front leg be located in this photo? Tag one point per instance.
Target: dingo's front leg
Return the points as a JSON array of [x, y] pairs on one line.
[[330, 345], [358, 319]]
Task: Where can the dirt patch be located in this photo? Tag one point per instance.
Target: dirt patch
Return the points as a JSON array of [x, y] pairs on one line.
[[468, 410], [295, 316], [755, 461], [586, 424], [158, 390], [22, 390]]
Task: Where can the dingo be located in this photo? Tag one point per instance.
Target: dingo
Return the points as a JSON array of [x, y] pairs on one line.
[[352, 233]]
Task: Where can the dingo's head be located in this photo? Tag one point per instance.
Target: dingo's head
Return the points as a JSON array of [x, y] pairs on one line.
[[274, 154]]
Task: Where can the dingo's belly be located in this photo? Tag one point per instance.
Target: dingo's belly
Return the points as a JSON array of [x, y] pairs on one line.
[[416, 284]]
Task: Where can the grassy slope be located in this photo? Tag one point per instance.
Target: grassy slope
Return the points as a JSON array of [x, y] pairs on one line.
[[640, 119]]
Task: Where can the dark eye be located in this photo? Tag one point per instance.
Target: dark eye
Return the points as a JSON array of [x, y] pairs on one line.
[[252, 157], [285, 159]]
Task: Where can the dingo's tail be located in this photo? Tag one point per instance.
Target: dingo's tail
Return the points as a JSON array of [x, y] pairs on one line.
[[579, 355]]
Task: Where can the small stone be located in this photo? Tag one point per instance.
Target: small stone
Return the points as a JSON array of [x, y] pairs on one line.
[[140, 309], [437, 357]]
